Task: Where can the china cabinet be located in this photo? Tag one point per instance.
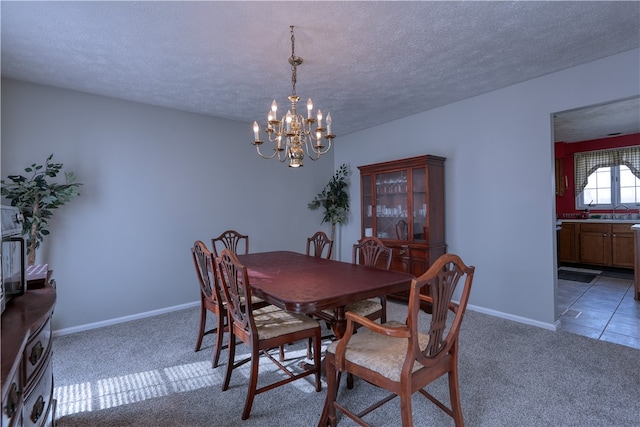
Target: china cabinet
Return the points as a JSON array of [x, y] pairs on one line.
[[402, 203]]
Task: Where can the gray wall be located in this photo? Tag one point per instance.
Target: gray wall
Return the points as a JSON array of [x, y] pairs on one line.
[[122, 247], [500, 194], [155, 180]]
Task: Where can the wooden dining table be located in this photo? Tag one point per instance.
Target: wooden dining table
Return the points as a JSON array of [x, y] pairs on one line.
[[305, 284]]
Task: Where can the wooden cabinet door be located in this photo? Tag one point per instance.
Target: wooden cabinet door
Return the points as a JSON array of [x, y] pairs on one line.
[[595, 244], [622, 246], [560, 183], [568, 243]]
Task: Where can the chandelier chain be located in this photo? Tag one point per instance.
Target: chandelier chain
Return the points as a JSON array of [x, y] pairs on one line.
[[294, 67]]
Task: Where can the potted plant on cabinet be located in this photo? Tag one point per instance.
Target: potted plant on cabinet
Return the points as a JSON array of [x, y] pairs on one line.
[[334, 199], [36, 197]]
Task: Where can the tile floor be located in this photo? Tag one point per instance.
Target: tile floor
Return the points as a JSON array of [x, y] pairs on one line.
[[603, 309]]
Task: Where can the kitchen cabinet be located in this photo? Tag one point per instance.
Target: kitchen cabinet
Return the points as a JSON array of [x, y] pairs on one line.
[[622, 245], [603, 244], [560, 178], [402, 203], [568, 242], [636, 261], [595, 244]]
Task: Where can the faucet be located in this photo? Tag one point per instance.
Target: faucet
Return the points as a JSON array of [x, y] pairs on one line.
[[618, 206]]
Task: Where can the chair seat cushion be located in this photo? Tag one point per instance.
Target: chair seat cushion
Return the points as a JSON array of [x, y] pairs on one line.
[[272, 322], [363, 308], [380, 353]]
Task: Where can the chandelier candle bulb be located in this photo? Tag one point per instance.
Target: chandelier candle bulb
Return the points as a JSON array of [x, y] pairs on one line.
[[319, 118], [329, 124], [256, 130], [269, 120], [309, 108]]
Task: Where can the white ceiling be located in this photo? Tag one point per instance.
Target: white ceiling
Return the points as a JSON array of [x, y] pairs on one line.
[[365, 62]]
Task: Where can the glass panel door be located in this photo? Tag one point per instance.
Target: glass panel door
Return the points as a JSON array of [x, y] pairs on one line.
[[391, 206], [367, 206], [419, 220]]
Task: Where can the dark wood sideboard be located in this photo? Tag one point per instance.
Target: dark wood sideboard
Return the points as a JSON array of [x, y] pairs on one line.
[[27, 373]]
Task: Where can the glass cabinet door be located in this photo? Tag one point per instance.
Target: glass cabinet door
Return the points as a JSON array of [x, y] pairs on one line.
[[419, 219], [391, 214], [367, 206]]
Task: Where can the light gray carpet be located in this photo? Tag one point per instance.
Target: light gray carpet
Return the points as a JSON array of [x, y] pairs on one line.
[[145, 373]]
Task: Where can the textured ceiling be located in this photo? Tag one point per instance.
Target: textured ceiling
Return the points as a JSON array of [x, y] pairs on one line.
[[621, 117], [365, 62]]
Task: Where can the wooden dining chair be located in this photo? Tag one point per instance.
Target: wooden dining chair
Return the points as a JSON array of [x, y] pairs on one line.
[[371, 252], [405, 357], [320, 245], [211, 300], [231, 240], [261, 330], [402, 231]]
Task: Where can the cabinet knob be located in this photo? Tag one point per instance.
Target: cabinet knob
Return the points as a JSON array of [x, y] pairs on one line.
[[401, 252], [36, 353], [38, 407], [12, 401]]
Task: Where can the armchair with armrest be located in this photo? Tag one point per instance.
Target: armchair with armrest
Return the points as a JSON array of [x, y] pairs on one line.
[[401, 357]]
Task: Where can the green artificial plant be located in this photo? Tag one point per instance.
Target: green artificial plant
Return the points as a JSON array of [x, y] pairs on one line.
[[35, 196], [334, 199]]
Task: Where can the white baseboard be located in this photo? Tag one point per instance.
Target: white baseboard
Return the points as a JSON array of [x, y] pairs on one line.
[[95, 325], [519, 319], [123, 319]]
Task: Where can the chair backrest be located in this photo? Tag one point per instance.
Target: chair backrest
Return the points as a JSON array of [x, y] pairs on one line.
[[318, 243], [370, 251], [441, 279], [234, 281], [402, 230], [231, 240], [206, 271]]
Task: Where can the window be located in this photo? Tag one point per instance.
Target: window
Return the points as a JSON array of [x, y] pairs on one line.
[[610, 186], [607, 178]]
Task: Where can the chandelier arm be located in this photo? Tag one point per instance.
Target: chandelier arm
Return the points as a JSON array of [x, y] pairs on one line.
[[317, 152], [263, 156], [280, 153]]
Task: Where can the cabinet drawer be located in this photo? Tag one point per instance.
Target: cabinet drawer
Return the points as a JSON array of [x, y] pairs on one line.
[[38, 403], [621, 228], [36, 352], [595, 228]]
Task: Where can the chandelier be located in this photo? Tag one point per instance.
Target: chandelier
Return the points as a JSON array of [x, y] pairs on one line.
[[293, 134]]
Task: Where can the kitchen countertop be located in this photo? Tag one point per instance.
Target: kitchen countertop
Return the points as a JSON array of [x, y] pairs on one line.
[[606, 221]]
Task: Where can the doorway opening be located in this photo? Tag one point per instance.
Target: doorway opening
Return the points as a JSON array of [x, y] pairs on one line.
[[594, 298]]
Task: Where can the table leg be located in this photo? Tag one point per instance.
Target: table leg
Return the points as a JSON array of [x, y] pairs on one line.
[[339, 322]]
